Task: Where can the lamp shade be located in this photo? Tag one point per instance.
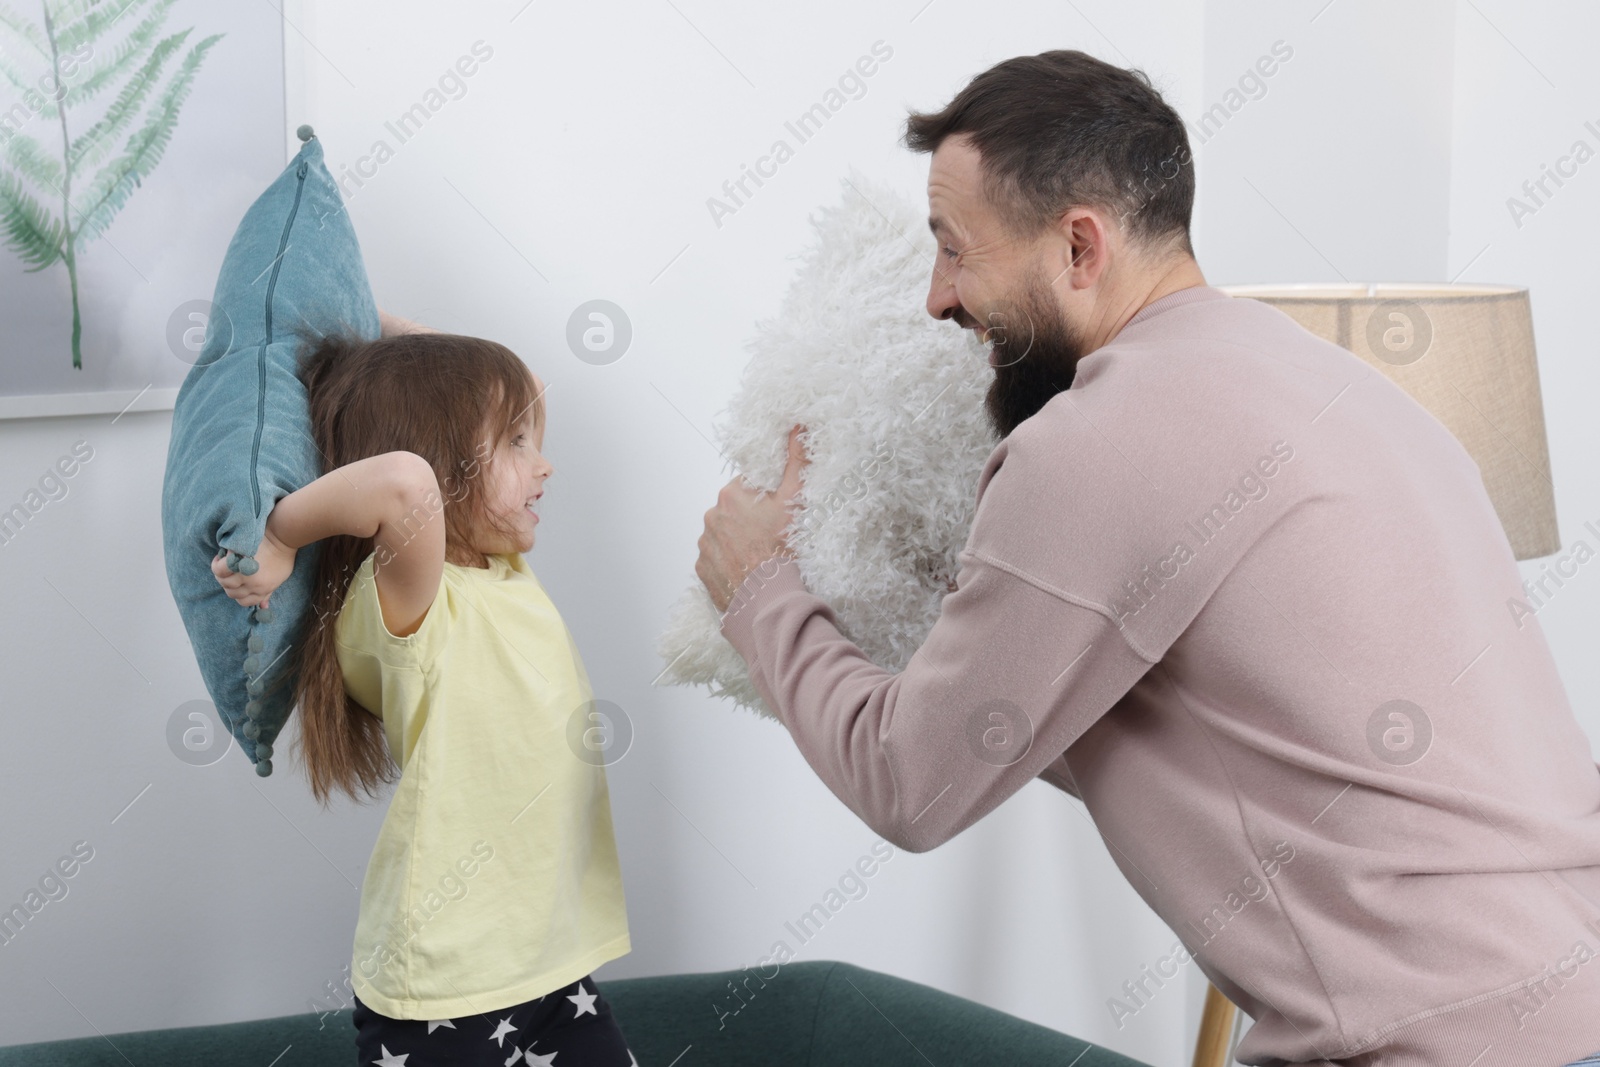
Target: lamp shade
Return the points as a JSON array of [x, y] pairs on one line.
[[1464, 352]]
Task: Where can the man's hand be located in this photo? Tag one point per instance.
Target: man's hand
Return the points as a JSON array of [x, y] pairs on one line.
[[746, 528], [274, 563]]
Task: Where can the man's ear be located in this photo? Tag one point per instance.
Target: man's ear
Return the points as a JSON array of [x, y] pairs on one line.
[[1084, 247]]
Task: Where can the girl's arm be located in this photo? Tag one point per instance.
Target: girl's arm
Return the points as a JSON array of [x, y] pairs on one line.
[[392, 498]]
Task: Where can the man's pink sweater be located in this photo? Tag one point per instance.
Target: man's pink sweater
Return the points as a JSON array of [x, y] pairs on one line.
[[1250, 602]]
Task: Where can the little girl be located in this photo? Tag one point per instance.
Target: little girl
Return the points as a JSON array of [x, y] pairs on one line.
[[436, 657]]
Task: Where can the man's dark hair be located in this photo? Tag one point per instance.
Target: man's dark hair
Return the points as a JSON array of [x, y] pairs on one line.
[[1063, 129]]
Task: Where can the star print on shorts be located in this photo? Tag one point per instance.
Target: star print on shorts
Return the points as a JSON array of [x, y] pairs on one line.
[[554, 1038], [584, 1001]]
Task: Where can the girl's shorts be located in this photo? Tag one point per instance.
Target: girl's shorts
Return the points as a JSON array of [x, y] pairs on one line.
[[575, 1022]]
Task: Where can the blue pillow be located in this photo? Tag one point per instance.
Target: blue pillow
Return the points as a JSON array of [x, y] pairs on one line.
[[241, 439]]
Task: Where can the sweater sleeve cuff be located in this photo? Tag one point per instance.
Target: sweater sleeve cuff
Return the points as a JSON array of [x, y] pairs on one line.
[[765, 584]]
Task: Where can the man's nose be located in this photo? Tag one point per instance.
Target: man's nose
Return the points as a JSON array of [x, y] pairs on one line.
[[942, 301]]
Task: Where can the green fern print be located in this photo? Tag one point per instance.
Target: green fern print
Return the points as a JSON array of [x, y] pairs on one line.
[[84, 48]]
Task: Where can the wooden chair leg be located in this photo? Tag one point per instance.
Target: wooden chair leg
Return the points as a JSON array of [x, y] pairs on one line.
[[1215, 1041]]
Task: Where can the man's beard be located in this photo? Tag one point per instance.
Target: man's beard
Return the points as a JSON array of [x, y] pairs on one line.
[[1040, 352]]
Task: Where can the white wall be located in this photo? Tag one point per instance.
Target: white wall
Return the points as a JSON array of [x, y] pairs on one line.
[[1338, 166], [584, 151], [1526, 89]]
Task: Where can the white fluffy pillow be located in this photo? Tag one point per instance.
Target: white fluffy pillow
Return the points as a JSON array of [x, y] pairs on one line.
[[897, 436]]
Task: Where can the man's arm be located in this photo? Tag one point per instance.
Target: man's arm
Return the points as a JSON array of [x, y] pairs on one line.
[[1025, 657], [1059, 775], [1010, 676]]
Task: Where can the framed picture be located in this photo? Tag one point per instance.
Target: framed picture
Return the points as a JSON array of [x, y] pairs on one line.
[[133, 134]]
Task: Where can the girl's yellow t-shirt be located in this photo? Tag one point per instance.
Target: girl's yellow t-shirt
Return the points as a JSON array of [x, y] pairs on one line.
[[494, 879]]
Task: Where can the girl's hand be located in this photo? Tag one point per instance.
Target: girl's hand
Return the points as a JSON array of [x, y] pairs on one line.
[[274, 563], [393, 325]]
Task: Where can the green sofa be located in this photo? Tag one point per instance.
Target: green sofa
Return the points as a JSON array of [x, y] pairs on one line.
[[810, 1013]]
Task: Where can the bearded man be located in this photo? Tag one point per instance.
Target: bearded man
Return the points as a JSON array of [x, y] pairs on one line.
[[1231, 588]]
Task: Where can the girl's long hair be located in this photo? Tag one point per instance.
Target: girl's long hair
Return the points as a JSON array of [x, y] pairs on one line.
[[450, 399]]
